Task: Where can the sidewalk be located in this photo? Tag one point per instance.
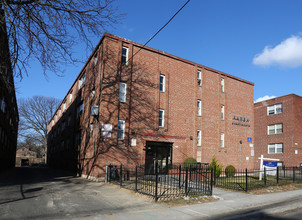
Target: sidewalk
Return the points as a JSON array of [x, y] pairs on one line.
[[229, 204]]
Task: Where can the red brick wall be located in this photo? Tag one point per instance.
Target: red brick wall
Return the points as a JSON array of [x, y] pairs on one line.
[[179, 102], [291, 136]]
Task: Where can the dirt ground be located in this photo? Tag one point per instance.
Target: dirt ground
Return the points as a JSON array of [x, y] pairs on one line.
[[278, 188]]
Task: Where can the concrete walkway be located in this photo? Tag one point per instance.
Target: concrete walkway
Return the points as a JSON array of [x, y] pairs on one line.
[[231, 205]]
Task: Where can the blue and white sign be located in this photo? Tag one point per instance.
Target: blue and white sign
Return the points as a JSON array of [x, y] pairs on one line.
[[249, 140], [270, 167]]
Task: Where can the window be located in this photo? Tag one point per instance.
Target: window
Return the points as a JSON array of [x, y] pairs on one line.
[[82, 81], [122, 92], [95, 59], [274, 109], [70, 96], [161, 118], [125, 55], [222, 84], [198, 137], [69, 120], [275, 129], [63, 125], [91, 129], [93, 94], [121, 130], [80, 109], [2, 105], [199, 77], [199, 107], [59, 112], [53, 122], [162, 83], [64, 106], [222, 140], [222, 112], [275, 148]]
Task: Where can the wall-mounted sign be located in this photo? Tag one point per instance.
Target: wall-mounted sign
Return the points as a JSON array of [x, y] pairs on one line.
[[249, 139], [241, 120]]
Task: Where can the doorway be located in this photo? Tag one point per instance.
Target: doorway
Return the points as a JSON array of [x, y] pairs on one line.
[[159, 153]]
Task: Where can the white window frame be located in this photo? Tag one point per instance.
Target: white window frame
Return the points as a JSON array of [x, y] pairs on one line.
[[95, 59], [161, 118], [82, 80], [222, 84], [91, 129], [123, 92], [64, 105], [80, 109], [70, 97], [222, 112], [121, 130], [275, 129], [276, 147], [126, 55], [222, 140], [162, 85], [199, 77], [199, 107], [199, 137], [273, 109]]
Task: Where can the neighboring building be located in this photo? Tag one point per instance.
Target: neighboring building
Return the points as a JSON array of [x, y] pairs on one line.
[[153, 107], [26, 157], [278, 130], [9, 118]]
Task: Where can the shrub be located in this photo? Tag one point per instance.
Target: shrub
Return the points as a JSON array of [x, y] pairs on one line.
[[189, 162], [216, 167], [230, 171]]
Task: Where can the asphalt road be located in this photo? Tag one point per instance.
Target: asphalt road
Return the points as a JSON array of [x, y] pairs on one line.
[[42, 193]]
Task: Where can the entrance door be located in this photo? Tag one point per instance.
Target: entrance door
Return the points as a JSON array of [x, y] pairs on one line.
[[159, 153]]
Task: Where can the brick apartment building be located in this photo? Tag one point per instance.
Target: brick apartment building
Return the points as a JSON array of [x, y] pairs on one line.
[[278, 129], [9, 118], [137, 105]]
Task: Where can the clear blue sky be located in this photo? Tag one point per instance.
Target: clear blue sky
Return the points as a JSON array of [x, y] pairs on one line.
[[259, 41]]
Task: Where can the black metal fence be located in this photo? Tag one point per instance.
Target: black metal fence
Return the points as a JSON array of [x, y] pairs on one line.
[[176, 181], [245, 180]]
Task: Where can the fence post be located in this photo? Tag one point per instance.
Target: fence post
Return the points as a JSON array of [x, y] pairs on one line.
[[246, 180], [277, 175], [294, 174], [214, 175], [264, 176], [136, 179], [211, 180], [121, 175], [179, 177], [156, 182], [186, 184], [109, 176]]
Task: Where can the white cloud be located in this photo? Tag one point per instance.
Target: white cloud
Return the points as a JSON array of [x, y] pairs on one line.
[[288, 53], [264, 98]]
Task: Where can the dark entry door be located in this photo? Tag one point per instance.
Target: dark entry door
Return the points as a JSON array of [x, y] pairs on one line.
[[159, 153]]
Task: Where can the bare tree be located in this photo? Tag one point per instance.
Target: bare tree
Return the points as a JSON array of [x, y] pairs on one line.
[[47, 30], [35, 114]]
